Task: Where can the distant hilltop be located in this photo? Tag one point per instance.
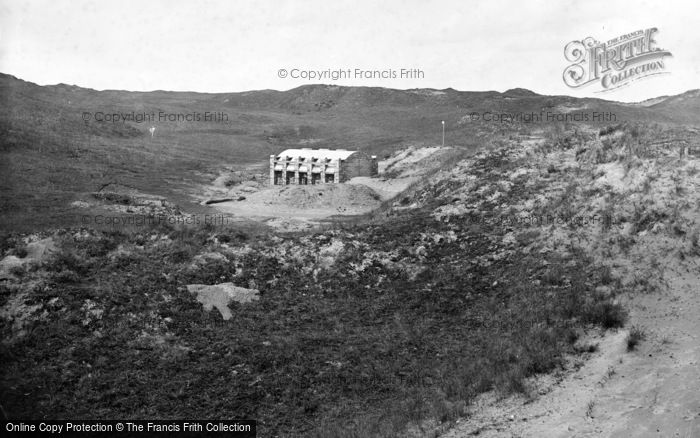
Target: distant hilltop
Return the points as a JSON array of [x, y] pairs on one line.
[[522, 92], [406, 113]]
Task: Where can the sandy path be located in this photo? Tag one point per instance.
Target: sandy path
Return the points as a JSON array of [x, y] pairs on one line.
[[653, 391]]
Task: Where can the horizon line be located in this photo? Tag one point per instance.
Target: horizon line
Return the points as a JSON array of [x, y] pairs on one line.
[[334, 85]]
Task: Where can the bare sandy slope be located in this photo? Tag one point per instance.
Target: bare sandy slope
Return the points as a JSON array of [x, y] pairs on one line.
[[653, 391], [386, 188]]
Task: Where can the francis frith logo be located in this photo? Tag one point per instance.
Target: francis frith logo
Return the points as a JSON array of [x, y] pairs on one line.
[[616, 62]]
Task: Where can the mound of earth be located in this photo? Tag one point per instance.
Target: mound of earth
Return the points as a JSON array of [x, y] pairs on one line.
[[126, 199], [331, 196]]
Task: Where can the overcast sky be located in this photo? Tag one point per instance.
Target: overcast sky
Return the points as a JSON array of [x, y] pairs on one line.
[[236, 45]]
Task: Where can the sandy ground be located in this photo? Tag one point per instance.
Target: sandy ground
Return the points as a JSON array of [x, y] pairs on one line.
[[653, 391], [385, 188], [296, 208], [304, 202]]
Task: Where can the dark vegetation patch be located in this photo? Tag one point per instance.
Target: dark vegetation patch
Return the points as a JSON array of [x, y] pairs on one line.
[[380, 347]]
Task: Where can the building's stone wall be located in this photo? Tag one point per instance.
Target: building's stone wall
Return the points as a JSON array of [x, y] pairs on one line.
[[359, 164]]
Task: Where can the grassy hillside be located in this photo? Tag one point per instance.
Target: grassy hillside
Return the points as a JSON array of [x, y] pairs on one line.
[[50, 156]]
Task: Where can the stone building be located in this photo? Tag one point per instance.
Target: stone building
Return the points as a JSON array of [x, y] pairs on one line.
[[320, 166]]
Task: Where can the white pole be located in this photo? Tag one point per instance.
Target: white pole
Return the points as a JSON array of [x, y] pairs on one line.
[[443, 133]]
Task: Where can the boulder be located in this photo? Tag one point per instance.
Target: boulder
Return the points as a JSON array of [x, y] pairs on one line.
[[7, 265], [220, 295], [40, 250]]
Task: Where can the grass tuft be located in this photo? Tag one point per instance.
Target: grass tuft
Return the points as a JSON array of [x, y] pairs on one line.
[[636, 335]]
